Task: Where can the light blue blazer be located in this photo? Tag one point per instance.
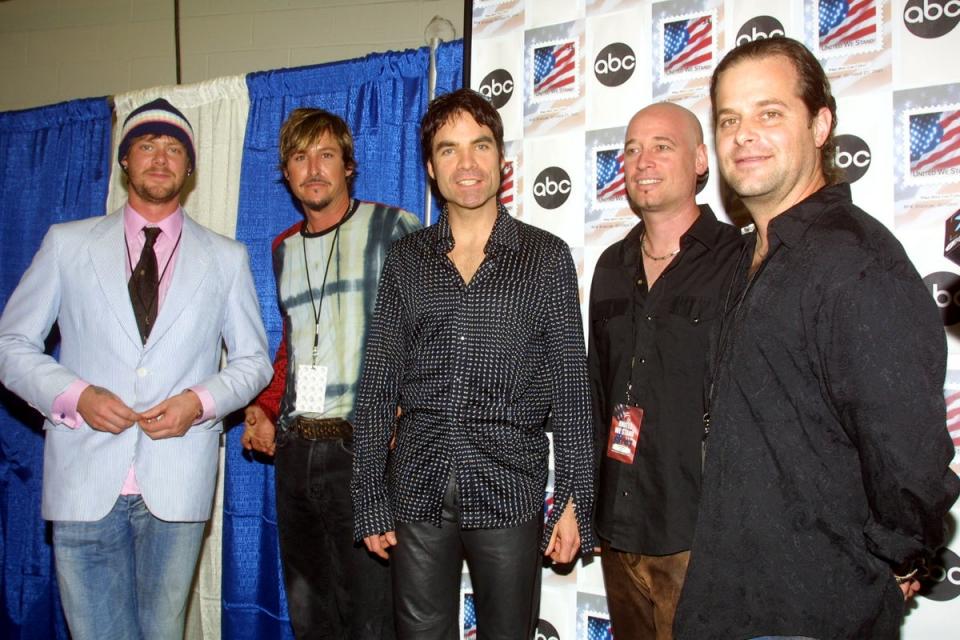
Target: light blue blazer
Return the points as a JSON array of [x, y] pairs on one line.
[[78, 279]]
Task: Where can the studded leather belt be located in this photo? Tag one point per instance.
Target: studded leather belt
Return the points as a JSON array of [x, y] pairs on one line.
[[322, 428]]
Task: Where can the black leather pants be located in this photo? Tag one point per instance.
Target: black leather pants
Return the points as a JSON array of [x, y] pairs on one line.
[[504, 565]]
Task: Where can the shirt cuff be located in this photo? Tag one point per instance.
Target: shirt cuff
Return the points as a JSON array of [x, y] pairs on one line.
[[583, 516], [207, 402], [64, 410], [271, 414], [373, 520]]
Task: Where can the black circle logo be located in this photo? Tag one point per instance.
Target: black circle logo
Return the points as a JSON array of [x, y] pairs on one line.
[[615, 64], [945, 289], [552, 187], [497, 87], [546, 631], [759, 28], [852, 155], [944, 580], [931, 18]]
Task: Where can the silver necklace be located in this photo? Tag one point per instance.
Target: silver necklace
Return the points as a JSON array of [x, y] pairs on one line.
[[643, 237]]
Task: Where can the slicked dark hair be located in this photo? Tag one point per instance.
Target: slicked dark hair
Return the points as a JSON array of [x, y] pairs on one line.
[[813, 88], [446, 108]]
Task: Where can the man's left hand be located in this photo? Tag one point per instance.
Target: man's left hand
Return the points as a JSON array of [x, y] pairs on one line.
[[172, 417], [565, 539]]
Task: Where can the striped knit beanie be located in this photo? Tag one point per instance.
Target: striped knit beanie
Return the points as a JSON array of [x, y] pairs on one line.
[[158, 118]]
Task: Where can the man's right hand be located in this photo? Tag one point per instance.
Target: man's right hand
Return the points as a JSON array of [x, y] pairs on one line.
[[909, 588], [104, 411], [381, 544], [259, 432]]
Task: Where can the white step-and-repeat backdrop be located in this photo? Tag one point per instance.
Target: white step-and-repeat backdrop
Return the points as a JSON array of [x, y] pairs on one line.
[[567, 75]]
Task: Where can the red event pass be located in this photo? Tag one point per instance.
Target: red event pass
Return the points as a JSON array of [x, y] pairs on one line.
[[624, 433]]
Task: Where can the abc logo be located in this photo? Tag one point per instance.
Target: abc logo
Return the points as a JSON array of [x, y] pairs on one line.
[[931, 18], [497, 87], [945, 289], [552, 187], [546, 631], [944, 581], [853, 156], [615, 64], [759, 28]]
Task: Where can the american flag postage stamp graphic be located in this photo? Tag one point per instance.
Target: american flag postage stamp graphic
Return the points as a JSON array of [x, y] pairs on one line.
[[593, 619], [556, 70], [951, 397], [508, 186], [610, 187], [599, 628], [933, 145], [492, 18], [607, 215], [553, 83], [689, 46], [469, 617], [846, 27]]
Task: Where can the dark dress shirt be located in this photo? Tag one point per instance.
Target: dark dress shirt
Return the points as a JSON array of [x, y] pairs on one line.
[[480, 371], [827, 459], [650, 506]]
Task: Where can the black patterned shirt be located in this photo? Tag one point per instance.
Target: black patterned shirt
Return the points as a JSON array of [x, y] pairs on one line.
[[481, 372]]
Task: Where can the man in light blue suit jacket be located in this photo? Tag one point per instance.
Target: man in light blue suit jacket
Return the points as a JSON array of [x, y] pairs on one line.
[[134, 406]]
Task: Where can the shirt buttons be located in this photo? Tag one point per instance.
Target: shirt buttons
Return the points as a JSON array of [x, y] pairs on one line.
[[649, 318], [626, 494], [142, 372]]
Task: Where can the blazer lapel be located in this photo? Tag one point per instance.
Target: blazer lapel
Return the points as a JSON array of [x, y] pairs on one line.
[[108, 254], [193, 263]]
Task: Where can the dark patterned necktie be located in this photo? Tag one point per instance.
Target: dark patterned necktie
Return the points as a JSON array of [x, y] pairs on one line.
[[144, 285]]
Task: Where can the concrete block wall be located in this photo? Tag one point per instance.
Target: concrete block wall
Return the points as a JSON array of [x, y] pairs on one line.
[[54, 50]]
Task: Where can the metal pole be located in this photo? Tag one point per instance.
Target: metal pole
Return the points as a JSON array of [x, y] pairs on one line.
[[176, 37], [431, 94]]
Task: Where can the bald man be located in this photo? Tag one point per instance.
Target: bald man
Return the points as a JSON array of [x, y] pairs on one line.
[[655, 297]]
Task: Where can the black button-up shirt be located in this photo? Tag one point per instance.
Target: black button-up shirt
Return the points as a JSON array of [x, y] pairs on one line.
[[480, 371], [827, 459], [650, 506]]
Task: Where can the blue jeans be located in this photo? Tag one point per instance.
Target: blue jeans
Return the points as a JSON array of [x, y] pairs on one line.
[[128, 575]]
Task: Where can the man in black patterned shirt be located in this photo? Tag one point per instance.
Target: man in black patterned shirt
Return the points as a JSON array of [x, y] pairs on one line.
[[477, 338]]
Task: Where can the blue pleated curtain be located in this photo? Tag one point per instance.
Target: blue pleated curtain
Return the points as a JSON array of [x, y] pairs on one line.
[[382, 98], [56, 167]]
